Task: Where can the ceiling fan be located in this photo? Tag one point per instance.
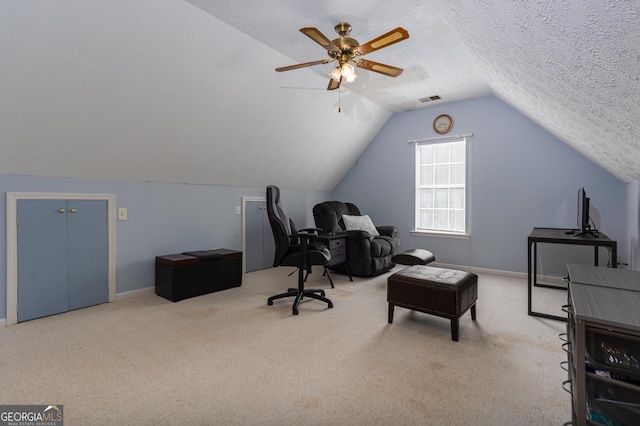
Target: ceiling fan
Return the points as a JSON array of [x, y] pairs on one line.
[[346, 50]]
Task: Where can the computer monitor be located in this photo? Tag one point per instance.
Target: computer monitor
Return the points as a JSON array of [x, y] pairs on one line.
[[583, 219]]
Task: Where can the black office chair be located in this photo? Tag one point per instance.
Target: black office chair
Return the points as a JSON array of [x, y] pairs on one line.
[[294, 248]]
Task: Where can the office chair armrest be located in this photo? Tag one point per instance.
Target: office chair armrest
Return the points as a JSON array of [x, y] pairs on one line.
[[303, 236], [314, 230]]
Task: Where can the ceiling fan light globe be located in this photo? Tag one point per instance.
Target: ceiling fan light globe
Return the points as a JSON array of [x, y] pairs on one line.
[[349, 72], [335, 74]]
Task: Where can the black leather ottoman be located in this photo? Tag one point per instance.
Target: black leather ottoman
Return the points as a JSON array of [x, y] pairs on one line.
[[443, 292], [414, 257]]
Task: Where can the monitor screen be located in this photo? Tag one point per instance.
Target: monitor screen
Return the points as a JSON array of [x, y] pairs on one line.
[[583, 211]]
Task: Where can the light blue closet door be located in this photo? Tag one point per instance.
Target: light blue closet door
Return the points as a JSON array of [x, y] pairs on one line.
[[260, 247], [62, 256], [42, 258], [87, 253]]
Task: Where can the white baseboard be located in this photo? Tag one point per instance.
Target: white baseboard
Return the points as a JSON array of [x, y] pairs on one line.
[[119, 296], [548, 279], [135, 293]]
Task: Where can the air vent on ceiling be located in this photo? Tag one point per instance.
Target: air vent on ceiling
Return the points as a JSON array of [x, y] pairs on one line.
[[429, 98]]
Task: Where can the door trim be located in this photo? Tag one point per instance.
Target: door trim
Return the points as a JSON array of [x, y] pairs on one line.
[[244, 228], [12, 241]]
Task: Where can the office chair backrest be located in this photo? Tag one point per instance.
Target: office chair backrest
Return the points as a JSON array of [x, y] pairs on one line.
[[280, 224]]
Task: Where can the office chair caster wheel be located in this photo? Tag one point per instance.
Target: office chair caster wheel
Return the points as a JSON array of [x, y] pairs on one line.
[[295, 312], [270, 302], [330, 305]]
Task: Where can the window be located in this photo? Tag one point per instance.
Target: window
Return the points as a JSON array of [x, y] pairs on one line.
[[441, 186]]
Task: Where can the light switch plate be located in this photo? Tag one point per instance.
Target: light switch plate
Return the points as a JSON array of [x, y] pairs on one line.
[[122, 213]]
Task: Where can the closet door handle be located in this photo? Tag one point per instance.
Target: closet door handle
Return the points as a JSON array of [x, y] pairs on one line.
[[61, 211], [72, 210]]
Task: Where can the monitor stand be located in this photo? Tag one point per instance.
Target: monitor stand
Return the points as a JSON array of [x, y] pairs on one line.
[[588, 232]]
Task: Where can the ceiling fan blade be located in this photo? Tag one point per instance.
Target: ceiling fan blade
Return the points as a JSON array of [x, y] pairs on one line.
[[384, 40], [333, 85], [315, 35], [305, 64], [387, 70]]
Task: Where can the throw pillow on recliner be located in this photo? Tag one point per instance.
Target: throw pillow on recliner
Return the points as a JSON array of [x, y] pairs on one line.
[[359, 223]]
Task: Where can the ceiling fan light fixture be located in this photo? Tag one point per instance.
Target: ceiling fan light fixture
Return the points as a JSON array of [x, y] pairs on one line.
[[345, 70], [335, 74], [349, 72]]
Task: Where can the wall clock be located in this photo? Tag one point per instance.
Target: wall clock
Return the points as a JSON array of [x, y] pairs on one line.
[[443, 123]]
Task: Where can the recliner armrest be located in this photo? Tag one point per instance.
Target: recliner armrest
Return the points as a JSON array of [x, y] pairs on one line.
[[356, 234], [390, 231]]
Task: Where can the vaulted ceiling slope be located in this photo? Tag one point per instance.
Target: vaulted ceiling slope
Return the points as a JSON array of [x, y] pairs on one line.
[[185, 90], [158, 90], [571, 66]]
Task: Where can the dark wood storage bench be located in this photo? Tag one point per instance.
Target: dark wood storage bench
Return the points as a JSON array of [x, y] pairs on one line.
[[194, 273]]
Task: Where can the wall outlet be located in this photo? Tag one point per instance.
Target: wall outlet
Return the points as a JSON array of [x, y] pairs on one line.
[[237, 209], [122, 213]]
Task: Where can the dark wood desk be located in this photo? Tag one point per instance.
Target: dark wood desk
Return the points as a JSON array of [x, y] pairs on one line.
[[559, 236]]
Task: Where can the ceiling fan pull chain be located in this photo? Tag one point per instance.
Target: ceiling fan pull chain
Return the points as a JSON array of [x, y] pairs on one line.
[[339, 92]]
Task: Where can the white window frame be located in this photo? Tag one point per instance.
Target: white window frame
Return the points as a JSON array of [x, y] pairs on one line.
[[467, 207]]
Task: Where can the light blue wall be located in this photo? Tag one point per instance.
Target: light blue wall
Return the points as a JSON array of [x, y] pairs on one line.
[[163, 219], [521, 177]]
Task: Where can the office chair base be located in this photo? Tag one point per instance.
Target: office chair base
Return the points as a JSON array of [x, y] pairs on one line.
[[326, 273], [317, 294]]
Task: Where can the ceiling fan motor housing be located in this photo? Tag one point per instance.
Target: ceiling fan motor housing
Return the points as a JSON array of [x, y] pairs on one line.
[[346, 44]]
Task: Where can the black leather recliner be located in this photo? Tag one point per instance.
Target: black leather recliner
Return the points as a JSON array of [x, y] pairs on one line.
[[367, 255]]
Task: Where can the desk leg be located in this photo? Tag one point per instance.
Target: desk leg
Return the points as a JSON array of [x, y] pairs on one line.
[[595, 255], [529, 283], [535, 271], [347, 269], [535, 263]]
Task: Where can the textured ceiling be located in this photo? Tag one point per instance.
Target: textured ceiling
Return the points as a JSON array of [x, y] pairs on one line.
[[184, 90], [571, 66], [434, 59]]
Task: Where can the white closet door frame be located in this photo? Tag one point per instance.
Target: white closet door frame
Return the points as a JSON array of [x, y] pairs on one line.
[[12, 240]]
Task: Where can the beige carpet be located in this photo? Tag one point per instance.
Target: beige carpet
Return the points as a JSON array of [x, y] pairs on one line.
[[229, 359]]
